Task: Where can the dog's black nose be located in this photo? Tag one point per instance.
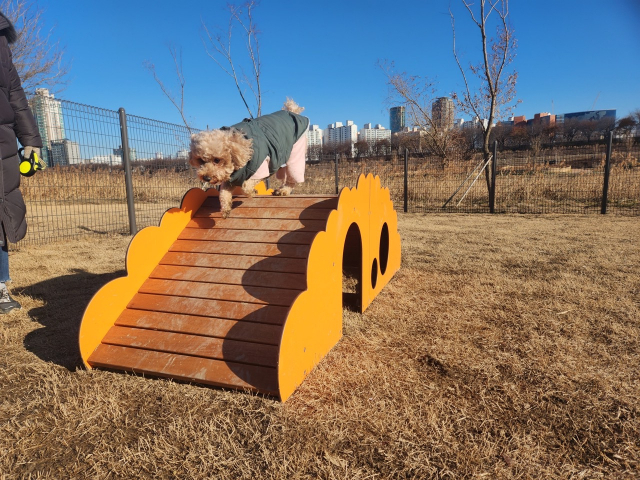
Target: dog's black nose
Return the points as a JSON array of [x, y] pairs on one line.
[[206, 179]]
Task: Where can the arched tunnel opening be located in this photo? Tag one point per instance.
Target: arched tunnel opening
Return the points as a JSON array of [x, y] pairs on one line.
[[352, 270]]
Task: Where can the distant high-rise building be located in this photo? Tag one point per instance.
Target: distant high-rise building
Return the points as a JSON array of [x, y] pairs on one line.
[[543, 118], [591, 116], [132, 153], [371, 135], [314, 136], [337, 133], [397, 119], [48, 114], [64, 152], [442, 113], [476, 123]]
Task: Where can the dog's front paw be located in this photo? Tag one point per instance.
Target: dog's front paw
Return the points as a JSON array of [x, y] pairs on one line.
[[226, 213], [249, 187], [283, 191]]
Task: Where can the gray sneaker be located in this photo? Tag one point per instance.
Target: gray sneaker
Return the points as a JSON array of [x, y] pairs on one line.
[[6, 302]]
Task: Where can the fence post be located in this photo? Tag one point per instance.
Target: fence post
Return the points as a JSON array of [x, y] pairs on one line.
[[406, 180], [492, 192], [126, 160], [337, 180], [607, 172]]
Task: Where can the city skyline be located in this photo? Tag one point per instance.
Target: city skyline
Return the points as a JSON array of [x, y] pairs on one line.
[[554, 74]]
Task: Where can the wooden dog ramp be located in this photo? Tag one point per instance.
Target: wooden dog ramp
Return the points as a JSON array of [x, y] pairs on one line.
[[253, 301]]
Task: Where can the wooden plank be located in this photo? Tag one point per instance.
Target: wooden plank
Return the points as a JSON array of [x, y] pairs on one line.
[[250, 312], [236, 262], [232, 293], [194, 345], [268, 212], [294, 281], [274, 224], [196, 325], [239, 248], [248, 236], [187, 368], [291, 201]]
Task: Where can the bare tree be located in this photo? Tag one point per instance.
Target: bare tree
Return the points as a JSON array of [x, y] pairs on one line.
[[626, 127], [382, 146], [221, 53], [500, 133], [361, 148], [176, 55], [519, 136], [417, 94], [494, 95], [571, 129], [37, 58]]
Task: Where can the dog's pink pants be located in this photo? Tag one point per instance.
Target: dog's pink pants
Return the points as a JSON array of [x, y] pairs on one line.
[[292, 171]]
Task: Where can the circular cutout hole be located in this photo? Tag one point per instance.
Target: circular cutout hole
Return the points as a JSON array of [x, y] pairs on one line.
[[384, 248], [374, 273]]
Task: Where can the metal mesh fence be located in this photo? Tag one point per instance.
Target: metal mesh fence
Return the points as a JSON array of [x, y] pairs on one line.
[[83, 190], [161, 173], [563, 180]]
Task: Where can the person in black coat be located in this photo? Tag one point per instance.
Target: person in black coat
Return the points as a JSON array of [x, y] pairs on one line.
[[16, 123]]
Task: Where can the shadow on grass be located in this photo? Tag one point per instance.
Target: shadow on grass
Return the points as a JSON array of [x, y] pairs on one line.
[[65, 300]]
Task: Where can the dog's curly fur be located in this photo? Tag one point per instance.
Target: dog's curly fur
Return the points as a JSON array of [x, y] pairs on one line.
[[216, 154]]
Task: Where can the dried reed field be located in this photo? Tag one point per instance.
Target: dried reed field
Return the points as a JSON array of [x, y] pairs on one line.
[[505, 347], [68, 202]]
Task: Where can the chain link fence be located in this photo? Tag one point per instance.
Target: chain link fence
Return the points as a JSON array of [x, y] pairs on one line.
[[83, 190]]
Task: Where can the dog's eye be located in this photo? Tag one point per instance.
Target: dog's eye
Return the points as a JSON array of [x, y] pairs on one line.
[[216, 160]]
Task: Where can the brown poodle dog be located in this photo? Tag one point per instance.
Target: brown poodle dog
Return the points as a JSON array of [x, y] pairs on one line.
[[247, 152]]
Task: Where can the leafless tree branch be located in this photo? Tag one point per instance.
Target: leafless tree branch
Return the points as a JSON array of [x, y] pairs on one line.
[[417, 94], [220, 52], [495, 94], [38, 59], [176, 55]]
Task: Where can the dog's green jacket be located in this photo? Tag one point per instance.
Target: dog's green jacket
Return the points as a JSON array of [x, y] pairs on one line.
[[273, 136]]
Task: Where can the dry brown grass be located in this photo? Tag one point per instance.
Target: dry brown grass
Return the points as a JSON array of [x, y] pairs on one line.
[[505, 347]]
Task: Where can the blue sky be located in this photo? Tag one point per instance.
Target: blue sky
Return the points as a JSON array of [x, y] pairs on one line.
[[571, 54]]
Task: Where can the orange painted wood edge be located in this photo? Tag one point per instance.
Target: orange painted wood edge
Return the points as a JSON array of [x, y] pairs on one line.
[[314, 324], [146, 249]]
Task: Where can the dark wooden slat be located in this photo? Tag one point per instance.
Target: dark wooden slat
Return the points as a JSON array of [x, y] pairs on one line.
[[291, 201], [187, 368], [194, 345], [282, 213], [236, 262], [249, 236], [212, 327], [294, 281], [232, 293], [238, 248], [251, 312], [273, 224]]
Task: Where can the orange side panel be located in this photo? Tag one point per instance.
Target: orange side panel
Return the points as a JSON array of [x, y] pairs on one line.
[[145, 251], [314, 324]]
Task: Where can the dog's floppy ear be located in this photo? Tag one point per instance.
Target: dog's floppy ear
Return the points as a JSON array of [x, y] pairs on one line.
[[193, 147], [240, 148]]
